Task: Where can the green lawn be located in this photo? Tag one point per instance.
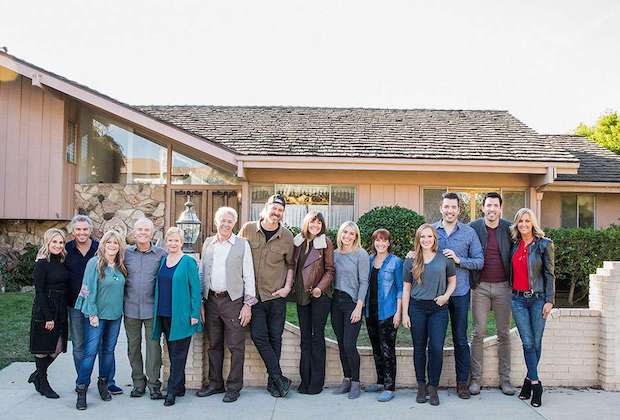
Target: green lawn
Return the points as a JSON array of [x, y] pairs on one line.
[[403, 339], [15, 310]]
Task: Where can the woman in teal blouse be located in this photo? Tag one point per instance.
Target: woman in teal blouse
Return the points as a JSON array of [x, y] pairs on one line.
[[101, 302], [177, 309]]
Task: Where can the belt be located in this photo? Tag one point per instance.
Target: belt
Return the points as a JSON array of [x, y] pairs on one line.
[[527, 293], [218, 294]]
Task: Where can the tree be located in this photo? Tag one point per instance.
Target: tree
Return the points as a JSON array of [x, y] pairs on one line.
[[606, 131]]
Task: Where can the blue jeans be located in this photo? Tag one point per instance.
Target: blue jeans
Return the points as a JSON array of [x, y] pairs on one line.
[[429, 323], [527, 313], [101, 341], [459, 312], [76, 330]]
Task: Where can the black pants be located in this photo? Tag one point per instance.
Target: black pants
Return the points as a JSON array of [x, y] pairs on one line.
[[312, 320], [346, 334], [267, 328], [177, 353], [382, 336]]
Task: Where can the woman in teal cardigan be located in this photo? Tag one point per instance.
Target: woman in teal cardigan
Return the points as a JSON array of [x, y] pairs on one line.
[[176, 309]]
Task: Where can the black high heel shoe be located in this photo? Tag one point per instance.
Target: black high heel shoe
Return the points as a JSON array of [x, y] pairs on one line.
[[526, 390], [537, 390]]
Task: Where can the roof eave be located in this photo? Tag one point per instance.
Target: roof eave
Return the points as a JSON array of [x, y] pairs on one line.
[[418, 165], [116, 108]]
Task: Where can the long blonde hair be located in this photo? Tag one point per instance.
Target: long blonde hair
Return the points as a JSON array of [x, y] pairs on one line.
[[44, 250], [536, 229], [349, 224], [119, 259], [418, 259]]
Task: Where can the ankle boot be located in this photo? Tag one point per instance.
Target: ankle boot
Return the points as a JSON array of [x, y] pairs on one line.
[[537, 390], [526, 390], [355, 390], [433, 397], [81, 397], [421, 396], [344, 387], [102, 386]]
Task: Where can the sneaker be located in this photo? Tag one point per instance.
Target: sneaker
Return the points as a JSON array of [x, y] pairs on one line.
[[374, 388], [507, 388], [115, 390], [474, 388], [385, 396]]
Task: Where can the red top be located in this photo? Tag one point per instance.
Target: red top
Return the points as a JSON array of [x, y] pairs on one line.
[[520, 279], [493, 270]]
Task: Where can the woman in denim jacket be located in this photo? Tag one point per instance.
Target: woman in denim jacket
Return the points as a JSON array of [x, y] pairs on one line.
[[533, 293], [383, 311]]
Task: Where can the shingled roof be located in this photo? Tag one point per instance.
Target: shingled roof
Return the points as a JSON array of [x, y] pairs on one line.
[[362, 132], [597, 164]]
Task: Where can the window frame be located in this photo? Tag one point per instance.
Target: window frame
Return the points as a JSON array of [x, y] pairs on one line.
[[578, 222]]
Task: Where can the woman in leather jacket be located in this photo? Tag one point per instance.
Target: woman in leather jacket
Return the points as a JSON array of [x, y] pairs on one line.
[[314, 274], [533, 294]]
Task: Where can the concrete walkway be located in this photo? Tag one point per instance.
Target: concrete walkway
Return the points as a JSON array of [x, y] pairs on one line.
[[18, 401]]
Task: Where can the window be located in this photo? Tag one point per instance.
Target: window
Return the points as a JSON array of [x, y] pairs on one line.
[[336, 202], [471, 203], [577, 211], [113, 153], [186, 170], [71, 142]]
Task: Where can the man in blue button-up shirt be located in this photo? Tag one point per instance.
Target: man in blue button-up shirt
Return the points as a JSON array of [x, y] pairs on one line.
[[460, 243]]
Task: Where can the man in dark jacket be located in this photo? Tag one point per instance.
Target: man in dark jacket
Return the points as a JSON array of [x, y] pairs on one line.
[[491, 291]]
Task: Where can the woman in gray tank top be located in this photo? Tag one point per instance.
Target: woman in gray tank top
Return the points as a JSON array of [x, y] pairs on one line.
[[429, 281]]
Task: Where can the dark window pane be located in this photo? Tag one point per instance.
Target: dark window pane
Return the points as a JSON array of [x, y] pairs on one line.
[[569, 210], [585, 205], [465, 206], [512, 202], [432, 201]]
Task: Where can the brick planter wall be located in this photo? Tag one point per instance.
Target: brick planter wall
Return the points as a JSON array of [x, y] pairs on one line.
[[581, 347]]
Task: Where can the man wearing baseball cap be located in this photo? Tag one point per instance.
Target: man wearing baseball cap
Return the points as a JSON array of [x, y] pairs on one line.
[[272, 255]]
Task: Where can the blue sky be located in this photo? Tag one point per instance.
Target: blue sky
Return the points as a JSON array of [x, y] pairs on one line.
[[552, 64]]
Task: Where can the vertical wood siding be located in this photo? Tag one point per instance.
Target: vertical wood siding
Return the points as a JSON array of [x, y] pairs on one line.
[[35, 180], [378, 195]]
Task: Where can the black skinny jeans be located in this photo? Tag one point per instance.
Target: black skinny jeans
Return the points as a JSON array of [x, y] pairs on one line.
[[177, 352], [312, 320], [266, 329], [346, 334], [382, 336]]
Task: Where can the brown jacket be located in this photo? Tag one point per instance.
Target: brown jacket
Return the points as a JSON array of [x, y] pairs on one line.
[[319, 268], [271, 259]]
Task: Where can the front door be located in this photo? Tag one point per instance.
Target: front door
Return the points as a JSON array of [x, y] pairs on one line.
[[206, 202]]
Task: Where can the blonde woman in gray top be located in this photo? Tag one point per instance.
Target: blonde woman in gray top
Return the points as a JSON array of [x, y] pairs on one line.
[[351, 283]]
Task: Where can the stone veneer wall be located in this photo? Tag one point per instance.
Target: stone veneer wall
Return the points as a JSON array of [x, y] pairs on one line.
[[110, 206], [581, 347], [118, 206]]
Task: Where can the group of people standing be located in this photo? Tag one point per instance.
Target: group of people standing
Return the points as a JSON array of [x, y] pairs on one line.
[[84, 289]]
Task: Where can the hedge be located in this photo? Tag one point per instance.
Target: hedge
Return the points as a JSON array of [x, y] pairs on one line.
[[401, 222], [578, 253]]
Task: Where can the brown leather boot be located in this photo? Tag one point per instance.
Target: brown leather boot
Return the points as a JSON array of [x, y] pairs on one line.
[[462, 391]]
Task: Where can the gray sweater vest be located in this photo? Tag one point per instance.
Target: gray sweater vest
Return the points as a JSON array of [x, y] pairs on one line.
[[234, 268]]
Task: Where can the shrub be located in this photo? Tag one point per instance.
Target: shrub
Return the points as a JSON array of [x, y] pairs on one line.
[[402, 224], [18, 273], [578, 253]]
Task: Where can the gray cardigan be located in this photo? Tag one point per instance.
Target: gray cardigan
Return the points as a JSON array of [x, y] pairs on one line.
[[352, 272]]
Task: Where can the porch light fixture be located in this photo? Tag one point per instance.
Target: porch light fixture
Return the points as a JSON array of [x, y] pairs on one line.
[[189, 223]]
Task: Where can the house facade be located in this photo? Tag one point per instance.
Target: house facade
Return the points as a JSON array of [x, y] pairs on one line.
[[67, 149]]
